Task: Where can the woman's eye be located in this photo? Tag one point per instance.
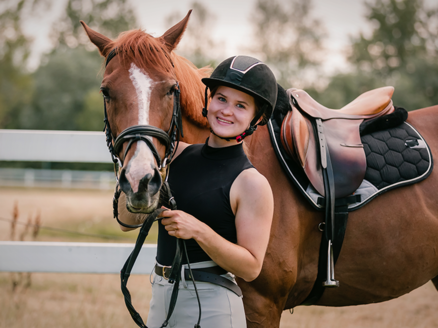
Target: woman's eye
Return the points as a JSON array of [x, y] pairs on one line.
[[222, 99], [240, 106]]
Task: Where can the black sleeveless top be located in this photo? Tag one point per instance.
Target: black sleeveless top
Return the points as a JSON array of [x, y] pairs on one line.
[[200, 179]]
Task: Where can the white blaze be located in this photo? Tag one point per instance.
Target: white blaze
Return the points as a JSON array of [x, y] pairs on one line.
[[143, 86], [140, 164]]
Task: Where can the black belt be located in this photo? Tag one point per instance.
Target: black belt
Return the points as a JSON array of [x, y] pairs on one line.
[[211, 275]]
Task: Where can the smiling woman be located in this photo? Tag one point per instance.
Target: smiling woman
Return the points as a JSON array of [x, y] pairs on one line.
[[225, 214]]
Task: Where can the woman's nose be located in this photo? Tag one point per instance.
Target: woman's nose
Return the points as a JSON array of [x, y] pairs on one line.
[[226, 110]]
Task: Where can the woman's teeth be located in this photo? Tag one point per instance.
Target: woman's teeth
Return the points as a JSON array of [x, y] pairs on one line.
[[221, 120]]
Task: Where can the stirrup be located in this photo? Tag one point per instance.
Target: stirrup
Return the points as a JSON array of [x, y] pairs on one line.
[[330, 282]]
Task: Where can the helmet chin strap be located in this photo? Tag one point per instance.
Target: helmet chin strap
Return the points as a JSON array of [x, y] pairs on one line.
[[240, 137]]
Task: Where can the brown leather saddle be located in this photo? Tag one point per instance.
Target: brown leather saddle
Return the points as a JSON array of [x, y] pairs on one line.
[[311, 132]]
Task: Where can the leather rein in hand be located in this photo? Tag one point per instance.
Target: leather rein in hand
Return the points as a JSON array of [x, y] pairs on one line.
[[171, 140]]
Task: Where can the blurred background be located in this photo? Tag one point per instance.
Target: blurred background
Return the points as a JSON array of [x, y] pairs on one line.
[[49, 71], [50, 77]]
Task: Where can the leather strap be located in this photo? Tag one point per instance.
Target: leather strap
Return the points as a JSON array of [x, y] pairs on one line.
[[211, 275]]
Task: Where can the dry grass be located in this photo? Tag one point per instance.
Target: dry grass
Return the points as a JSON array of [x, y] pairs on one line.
[[71, 300], [87, 300]]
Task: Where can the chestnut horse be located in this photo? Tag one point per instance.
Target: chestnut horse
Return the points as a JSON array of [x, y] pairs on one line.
[[390, 246]]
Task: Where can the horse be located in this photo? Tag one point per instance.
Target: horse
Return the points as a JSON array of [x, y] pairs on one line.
[[390, 246]]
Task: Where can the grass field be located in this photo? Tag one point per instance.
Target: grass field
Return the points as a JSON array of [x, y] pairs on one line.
[[87, 300]]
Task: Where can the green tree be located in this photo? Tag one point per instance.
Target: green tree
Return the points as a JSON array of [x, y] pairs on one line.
[[16, 85], [289, 40], [109, 17], [401, 51], [403, 31], [61, 89], [197, 44], [67, 84]]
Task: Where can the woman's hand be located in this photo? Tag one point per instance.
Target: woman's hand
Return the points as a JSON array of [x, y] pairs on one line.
[[180, 224]]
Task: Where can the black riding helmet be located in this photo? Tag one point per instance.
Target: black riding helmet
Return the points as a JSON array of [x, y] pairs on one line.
[[249, 75]]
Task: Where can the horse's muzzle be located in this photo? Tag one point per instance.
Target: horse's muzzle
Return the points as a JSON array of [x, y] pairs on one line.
[[145, 200]]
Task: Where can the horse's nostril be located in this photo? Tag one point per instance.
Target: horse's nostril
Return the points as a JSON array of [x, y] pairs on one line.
[[156, 182], [149, 183], [144, 182], [124, 183]]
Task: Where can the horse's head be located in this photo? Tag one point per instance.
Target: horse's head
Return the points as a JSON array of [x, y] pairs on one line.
[[139, 87]]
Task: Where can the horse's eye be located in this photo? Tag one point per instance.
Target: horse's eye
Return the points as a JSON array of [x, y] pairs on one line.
[[105, 93], [170, 92]]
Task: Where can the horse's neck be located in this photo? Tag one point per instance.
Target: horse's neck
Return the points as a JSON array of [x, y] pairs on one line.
[[192, 97], [193, 132]]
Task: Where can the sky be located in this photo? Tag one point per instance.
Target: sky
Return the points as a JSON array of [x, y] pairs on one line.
[[232, 26]]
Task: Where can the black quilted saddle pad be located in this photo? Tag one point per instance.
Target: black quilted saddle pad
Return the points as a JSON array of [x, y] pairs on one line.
[[396, 157]]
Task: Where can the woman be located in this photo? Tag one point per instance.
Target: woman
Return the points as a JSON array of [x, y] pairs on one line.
[[225, 206]]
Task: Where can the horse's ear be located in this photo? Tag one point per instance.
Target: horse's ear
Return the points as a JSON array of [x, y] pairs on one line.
[[99, 40], [173, 35]]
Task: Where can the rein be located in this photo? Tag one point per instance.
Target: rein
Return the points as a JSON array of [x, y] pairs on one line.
[[170, 139]]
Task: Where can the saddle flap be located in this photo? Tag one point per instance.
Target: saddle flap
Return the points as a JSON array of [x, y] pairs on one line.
[[295, 136]]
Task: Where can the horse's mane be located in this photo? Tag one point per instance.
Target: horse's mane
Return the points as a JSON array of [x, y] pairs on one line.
[[145, 51]]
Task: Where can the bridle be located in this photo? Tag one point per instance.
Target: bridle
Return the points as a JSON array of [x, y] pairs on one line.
[[169, 139]]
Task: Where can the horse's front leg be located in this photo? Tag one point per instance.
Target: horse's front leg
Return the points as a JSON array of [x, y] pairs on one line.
[[261, 310]]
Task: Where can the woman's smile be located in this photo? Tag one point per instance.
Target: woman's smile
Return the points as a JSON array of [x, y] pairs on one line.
[[223, 121]]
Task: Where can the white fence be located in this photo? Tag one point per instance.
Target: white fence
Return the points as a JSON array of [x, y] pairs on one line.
[[63, 146], [26, 256], [66, 179]]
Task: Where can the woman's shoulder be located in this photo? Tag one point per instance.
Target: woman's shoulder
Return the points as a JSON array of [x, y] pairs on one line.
[[251, 178], [250, 188]]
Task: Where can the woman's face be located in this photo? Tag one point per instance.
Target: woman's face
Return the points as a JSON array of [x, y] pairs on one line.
[[230, 112]]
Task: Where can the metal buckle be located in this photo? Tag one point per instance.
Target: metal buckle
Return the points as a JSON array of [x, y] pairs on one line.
[[164, 272]]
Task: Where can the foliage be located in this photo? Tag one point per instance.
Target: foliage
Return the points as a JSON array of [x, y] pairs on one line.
[[66, 85], [401, 51], [197, 43], [289, 40], [61, 87], [109, 17], [16, 85], [63, 93]]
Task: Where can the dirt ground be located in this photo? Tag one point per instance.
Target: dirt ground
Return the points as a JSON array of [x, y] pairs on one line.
[[86, 300]]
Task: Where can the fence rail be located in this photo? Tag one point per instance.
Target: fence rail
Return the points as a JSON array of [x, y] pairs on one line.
[[27, 256], [66, 179], [62, 146], [53, 146]]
